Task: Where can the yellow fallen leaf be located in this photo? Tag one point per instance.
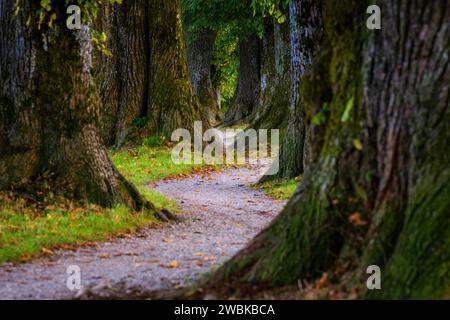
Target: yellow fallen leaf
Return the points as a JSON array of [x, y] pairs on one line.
[[47, 252], [199, 254], [168, 241], [173, 264]]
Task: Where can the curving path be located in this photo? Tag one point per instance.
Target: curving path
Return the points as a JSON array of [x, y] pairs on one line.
[[221, 215]]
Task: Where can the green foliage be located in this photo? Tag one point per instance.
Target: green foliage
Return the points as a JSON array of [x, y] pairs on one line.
[[234, 21], [275, 8], [215, 14], [45, 13], [226, 65], [99, 42]]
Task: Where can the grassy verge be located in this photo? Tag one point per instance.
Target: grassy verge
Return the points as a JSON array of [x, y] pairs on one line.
[[147, 164], [282, 190], [27, 232]]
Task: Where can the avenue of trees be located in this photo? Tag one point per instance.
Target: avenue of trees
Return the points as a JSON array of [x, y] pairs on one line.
[[363, 113]]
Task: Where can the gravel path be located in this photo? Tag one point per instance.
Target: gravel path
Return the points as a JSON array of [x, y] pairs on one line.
[[222, 214]]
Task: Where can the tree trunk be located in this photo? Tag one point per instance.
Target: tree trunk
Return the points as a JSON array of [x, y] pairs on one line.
[[247, 93], [173, 103], [200, 53], [146, 77], [49, 113], [377, 193], [123, 77], [305, 33], [273, 106]]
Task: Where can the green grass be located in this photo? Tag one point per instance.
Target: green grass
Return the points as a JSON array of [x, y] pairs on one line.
[[147, 164], [27, 232], [282, 190]]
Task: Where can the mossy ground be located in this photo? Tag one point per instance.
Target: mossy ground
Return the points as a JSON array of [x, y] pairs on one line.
[[281, 190]]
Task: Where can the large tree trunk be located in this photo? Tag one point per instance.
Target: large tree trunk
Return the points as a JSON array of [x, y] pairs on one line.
[[123, 77], [173, 103], [247, 93], [200, 53], [273, 106], [49, 113], [305, 34], [146, 76], [378, 192]]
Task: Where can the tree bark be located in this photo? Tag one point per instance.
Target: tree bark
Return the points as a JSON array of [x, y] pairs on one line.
[[123, 77], [49, 111], [305, 34], [173, 103], [377, 193], [200, 53], [272, 109], [247, 92], [146, 76]]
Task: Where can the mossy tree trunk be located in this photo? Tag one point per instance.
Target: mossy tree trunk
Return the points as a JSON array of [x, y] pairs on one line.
[[305, 34], [172, 103], [49, 109], [146, 77], [378, 190], [245, 100], [200, 54], [273, 106], [123, 77]]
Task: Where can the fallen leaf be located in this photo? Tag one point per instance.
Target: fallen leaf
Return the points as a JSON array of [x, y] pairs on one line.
[[199, 254], [26, 257], [323, 281], [209, 258], [173, 264], [47, 252]]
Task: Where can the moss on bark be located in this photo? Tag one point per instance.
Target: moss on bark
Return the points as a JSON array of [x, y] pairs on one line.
[[49, 124], [173, 103], [146, 79], [377, 192]]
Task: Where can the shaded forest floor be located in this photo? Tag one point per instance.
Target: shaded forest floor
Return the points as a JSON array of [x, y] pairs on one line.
[[221, 214]]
